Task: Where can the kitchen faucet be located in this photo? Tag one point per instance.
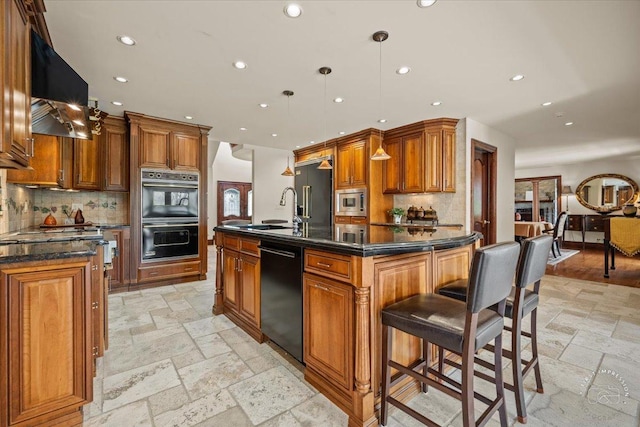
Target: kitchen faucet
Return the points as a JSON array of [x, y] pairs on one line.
[[283, 202]]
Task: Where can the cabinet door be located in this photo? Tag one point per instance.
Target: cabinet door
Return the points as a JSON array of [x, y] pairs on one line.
[[328, 329], [45, 163], [154, 148], [186, 152], [116, 155], [359, 162], [344, 163], [230, 279], [413, 163], [433, 172], [249, 267], [98, 309], [86, 164], [16, 79], [392, 169], [449, 160], [49, 324]]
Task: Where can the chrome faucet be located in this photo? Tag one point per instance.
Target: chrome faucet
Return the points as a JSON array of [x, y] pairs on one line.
[[283, 202]]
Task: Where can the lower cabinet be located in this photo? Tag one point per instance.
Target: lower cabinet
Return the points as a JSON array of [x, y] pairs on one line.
[[328, 329], [47, 343], [241, 276]]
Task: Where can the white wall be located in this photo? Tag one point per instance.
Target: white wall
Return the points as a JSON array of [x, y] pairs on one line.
[[224, 167], [505, 183], [268, 183]]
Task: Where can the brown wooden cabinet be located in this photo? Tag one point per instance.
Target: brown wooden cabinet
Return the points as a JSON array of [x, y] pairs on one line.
[[86, 163], [338, 219], [423, 158], [351, 165], [114, 143], [162, 146], [16, 145], [185, 152], [120, 274], [241, 276], [47, 340], [46, 163], [328, 329]]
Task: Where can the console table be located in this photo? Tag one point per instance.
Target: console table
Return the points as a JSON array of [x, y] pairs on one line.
[[584, 223], [622, 234]]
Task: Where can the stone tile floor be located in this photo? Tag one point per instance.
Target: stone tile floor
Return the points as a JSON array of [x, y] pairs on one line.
[[172, 363]]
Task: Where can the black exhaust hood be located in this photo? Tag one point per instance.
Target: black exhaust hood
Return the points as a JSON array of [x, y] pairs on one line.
[[59, 96]]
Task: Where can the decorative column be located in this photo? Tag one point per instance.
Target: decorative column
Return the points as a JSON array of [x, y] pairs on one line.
[[363, 346]]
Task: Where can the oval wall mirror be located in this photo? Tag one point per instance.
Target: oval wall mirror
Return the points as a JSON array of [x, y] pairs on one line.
[[606, 192]]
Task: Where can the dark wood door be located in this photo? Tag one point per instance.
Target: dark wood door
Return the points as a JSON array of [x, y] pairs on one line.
[[234, 200], [483, 191]]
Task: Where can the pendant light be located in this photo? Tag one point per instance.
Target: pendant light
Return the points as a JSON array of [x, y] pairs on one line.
[[288, 94], [380, 154], [325, 163]]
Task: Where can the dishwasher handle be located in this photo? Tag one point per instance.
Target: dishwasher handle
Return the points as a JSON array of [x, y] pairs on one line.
[[278, 252]]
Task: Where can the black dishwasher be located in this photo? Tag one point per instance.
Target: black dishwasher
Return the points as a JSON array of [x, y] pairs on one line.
[[281, 296]]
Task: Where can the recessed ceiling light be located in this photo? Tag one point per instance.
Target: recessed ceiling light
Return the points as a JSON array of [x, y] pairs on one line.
[[517, 78], [312, 142], [403, 70], [297, 146], [546, 104], [341, 132], [264, 105], [568, 124], [240, 65], [78, 122], [74, 107], [436, 103], [382, 120], [274, 134], [126, 40], [292, 10], [188, 117], [425, 3], [243, 129], [338, 100], [118, 103], [120, 79]]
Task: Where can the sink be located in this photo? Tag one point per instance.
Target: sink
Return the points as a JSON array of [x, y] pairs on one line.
[[262, 227]]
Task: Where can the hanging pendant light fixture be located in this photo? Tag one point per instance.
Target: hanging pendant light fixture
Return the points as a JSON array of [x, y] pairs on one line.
[[288, 94], [325, 163], [380, 154]]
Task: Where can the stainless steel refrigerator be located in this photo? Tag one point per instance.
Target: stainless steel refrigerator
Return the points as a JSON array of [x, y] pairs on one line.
[[315, 192]]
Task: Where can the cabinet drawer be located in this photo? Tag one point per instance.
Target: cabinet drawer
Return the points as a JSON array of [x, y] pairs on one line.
[[358, 220], [594, 223], [168, 270], [231, 242], [250, 247], [330, 265], [342, 219]]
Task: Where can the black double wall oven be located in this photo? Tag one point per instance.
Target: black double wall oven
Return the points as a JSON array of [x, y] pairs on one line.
[[169, 208]]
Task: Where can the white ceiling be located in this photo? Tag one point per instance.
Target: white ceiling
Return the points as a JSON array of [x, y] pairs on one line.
[[584, 56]]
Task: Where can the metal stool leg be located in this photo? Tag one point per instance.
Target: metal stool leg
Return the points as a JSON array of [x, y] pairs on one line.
[[386, 373]]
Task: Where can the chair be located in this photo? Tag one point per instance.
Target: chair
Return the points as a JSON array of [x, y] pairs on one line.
[[463, 328], [531, 267], [557, 232]]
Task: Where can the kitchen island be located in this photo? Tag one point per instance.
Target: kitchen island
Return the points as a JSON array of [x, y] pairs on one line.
[[53, 320], [349, 275]]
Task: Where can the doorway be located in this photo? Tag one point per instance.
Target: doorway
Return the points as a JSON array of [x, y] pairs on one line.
[[234, 201], [483, 190]]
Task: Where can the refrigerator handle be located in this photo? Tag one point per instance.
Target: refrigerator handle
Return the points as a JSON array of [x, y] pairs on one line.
[[306, 201]]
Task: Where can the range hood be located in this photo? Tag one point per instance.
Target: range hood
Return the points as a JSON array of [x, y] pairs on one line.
[[59, 96]]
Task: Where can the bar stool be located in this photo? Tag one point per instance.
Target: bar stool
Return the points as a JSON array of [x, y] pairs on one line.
[[521, 301], [463, 328]]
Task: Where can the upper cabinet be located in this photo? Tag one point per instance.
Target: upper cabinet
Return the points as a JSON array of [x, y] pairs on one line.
[[114, 142], [165, 144], [423, 157], [351, 164], [46, 164], [16, 146]]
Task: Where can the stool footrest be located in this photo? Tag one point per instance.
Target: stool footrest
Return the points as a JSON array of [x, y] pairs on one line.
[[424, 420]]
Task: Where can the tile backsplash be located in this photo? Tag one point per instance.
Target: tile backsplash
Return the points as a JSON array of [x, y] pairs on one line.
[[24, 207]]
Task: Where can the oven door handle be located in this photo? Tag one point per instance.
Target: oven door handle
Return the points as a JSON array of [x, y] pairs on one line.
[[190, 187], [169, 225]]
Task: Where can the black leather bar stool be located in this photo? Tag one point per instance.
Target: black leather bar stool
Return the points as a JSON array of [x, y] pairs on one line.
[[521, 301], [463, 328]]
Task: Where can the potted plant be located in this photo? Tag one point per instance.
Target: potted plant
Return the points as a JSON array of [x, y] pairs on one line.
[[397, 214]]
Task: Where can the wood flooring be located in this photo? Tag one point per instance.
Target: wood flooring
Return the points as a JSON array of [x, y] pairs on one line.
[[589, 265]]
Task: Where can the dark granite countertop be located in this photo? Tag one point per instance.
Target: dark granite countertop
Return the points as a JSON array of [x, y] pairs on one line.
[[362, 240], [40, 251]]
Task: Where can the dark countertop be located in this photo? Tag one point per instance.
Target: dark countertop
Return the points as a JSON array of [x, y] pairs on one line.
[[362, 240], [48, 251]]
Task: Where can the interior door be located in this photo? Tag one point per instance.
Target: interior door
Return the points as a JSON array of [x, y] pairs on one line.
[[483, 191], [234, 201]]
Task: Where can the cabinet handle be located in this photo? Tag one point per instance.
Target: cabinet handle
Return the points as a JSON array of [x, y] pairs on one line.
[[324, 288], [95, 305], [188, 268], [153, 273], [239, 264], [94, 267], [322, 264]]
